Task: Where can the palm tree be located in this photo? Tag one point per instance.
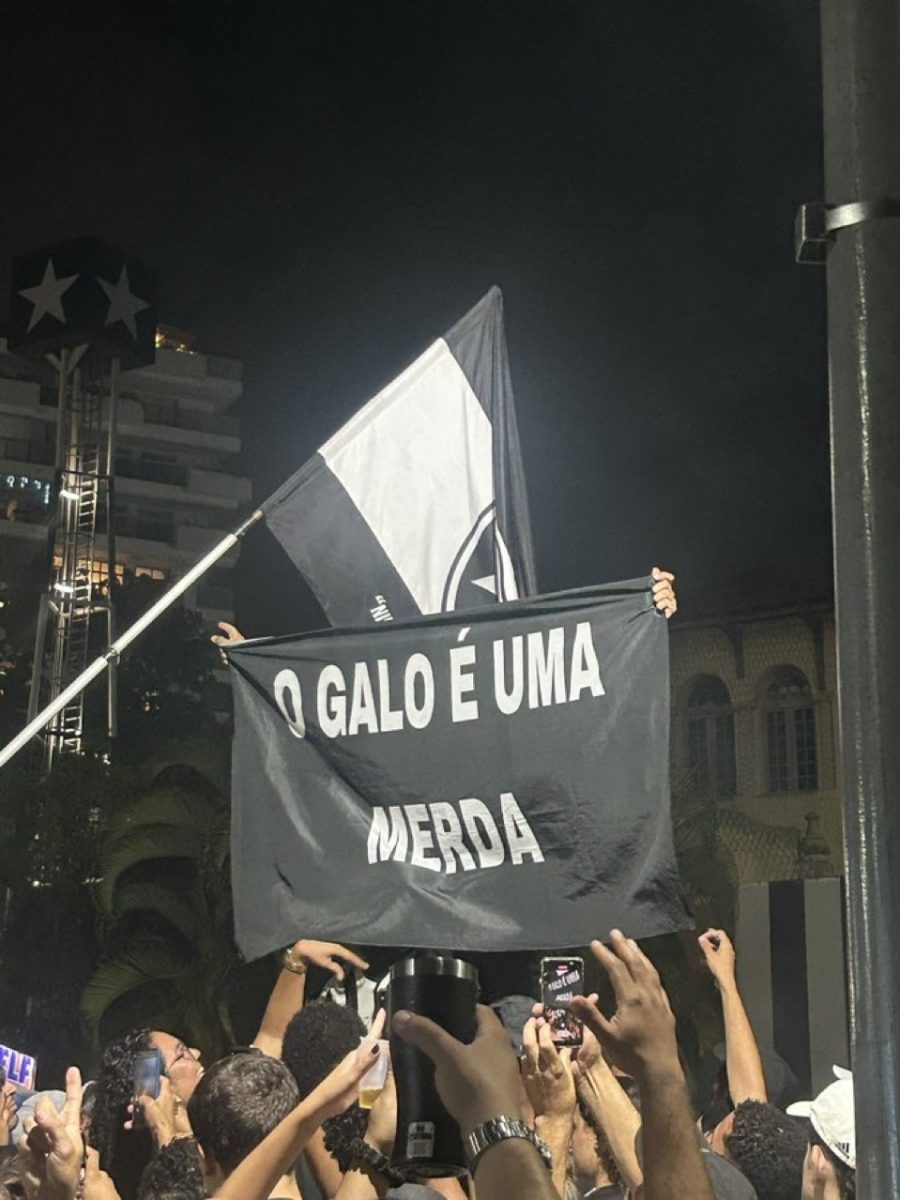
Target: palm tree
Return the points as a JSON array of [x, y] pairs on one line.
[[164, 895]]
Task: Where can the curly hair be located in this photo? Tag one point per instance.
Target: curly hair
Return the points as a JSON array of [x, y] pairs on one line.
[[237, 1103], [342, 1132], [316, 1039], [173, 1173], [123, 1153], [12, 1182], [768, 1147]]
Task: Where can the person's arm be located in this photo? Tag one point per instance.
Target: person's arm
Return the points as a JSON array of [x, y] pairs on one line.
[[610, 1108], [743, 1064], [514, 1168], [476, 1083], [550, 1088], [640, 1039], [257, 1174], [290, 987], [359, 1185]]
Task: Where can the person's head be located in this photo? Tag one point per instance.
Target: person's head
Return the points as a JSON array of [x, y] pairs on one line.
[[173, 1173], [12, 1182], [830, 1163], [317, 1038], [315, 1041], [181, 1063], [123, 1153], [769, 1148], [236, 1104]]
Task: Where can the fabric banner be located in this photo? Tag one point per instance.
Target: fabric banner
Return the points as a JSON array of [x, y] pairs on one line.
[[497, 781], [417, 505], [792, 970]]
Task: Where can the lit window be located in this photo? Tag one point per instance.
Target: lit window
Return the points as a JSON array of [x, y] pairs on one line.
[[710, 737], [791, 750]]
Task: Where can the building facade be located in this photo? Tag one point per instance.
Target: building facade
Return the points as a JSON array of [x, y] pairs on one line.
[[178, 487], [754, 728]]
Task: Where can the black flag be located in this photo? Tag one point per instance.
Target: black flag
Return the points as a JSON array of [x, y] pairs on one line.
[[417, 505], [494, 780]]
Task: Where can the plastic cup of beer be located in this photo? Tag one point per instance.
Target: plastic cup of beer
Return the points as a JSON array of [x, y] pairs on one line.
[[372, 1083]]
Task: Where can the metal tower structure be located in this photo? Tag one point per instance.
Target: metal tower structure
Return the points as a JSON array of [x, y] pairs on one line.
[[89, 311], [81, 583]]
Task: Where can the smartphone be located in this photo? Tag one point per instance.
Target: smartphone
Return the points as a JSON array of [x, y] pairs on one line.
[[148, 1070], [561, 979]]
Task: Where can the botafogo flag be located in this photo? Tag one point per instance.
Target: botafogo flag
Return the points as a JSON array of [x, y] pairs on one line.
[[417, 505], [494, 780]]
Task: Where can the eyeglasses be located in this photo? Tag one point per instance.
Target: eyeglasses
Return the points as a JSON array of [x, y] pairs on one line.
[[181, 1051]]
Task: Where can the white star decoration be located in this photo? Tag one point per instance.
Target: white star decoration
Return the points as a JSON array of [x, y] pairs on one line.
[[487, 583], [47, 296], [123, 304]]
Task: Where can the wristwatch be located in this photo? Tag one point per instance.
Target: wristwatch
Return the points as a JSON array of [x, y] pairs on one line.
[[497, 1130], [287, 962]]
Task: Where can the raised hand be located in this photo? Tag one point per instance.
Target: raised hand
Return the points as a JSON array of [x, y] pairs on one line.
[[476, 1082], [641, 1032], [664, 592], [232, 637], [164, 1116], [382, 1128], [308, 952], [719, 955], [97, 1184], [54, 1144], [8, 1112], [338, 1090], [547, 1072]]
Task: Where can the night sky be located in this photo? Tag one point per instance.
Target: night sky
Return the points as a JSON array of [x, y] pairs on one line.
[[326, 186]]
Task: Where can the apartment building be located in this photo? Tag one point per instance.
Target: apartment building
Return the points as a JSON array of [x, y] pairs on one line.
[[178, 486]]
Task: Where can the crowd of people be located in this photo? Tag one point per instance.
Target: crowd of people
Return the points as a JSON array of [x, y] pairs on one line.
[[280, 1119]]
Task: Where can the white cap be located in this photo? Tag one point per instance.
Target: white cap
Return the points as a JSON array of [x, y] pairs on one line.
[[831, 1116]]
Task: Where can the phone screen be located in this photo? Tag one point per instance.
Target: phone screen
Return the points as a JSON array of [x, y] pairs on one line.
[[148, 1068], [561, 979]]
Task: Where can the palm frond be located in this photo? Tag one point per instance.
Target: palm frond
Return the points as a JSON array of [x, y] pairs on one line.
[[144, 844], [133, 969], [162, 806], [209, 760], [184, 911]]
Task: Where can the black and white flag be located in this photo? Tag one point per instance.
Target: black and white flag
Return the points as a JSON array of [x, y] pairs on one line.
[[495, 780], [417, 505]]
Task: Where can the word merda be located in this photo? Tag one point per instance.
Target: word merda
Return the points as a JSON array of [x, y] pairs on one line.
[[441, 836]]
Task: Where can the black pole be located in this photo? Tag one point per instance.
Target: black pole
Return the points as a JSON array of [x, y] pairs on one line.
[[861, 87]]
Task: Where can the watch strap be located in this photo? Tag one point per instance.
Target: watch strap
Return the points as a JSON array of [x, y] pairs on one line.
[[500, 1129]]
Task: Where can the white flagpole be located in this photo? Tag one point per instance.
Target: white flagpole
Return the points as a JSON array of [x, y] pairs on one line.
[[99, 665]]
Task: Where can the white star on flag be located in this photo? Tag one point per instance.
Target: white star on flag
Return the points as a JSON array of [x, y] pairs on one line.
[[487, 583], [123, 304], [47, 296]]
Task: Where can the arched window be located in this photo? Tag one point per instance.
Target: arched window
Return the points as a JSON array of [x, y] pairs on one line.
[[791, 733], [710, 736]]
